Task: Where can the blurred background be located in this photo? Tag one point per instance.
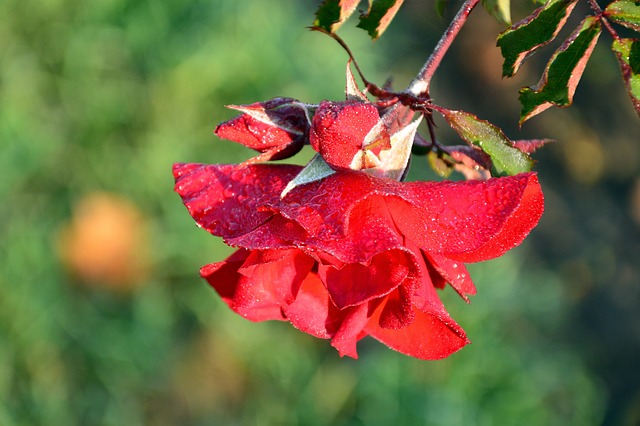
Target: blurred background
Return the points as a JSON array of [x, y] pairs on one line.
[[104, 319]]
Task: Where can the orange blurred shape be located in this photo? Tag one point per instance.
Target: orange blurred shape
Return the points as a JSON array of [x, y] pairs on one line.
[[105, 244]]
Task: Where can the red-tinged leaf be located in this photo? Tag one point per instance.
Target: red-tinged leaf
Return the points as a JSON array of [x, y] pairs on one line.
[[506, 159], [470, 173], [499, 9], [624, 12], [438, 165], [379, 16], [470, 161], [563, 71], [470, 156], [628, 52], [332, 13], [535, 31], [530, 146]]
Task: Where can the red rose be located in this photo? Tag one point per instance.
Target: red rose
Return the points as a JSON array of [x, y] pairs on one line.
[[351, 254]]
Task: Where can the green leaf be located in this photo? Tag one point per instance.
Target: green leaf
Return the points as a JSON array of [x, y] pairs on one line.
[[499, 9], [624, 12], [440, 6], [563, 71], [538, 29], [379, 16], [332, 13], [628, 52], [505, 157]]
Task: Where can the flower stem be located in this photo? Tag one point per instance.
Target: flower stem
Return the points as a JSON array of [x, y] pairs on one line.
[[420, 84]]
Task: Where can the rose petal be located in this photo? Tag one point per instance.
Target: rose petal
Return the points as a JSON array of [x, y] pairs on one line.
[[470, 221], [398, 310], [225, 199], [351, 330], [258, 287], [356, 283], [312, 312], [455, 273], [339, 131], [464, 221], [427, 337]]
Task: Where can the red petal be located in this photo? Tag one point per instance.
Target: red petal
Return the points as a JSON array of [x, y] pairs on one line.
[[253, 133], [398, 310], [455, 273], [427, 337], [351, 330], [225, 199], [258, 284], [339, 129], [356, 283], [225, 274], [470, 221], [312, 312], [276, 128]]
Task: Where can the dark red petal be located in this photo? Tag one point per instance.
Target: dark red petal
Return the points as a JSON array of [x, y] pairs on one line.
[[398, 310], [277, 232], [323, 208], [470, 221], [226, 199], [356, 283], [338, 130], [262, 284], [455, 273], [464, 221]]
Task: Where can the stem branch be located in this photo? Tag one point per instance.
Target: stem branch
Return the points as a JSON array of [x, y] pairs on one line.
[[420, 84], [598, 11]]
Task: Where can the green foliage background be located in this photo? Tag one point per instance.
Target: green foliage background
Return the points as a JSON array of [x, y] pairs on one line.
[[106, 95]]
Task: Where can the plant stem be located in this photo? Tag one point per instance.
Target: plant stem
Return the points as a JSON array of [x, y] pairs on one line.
[[598, 11], [420, 84]]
